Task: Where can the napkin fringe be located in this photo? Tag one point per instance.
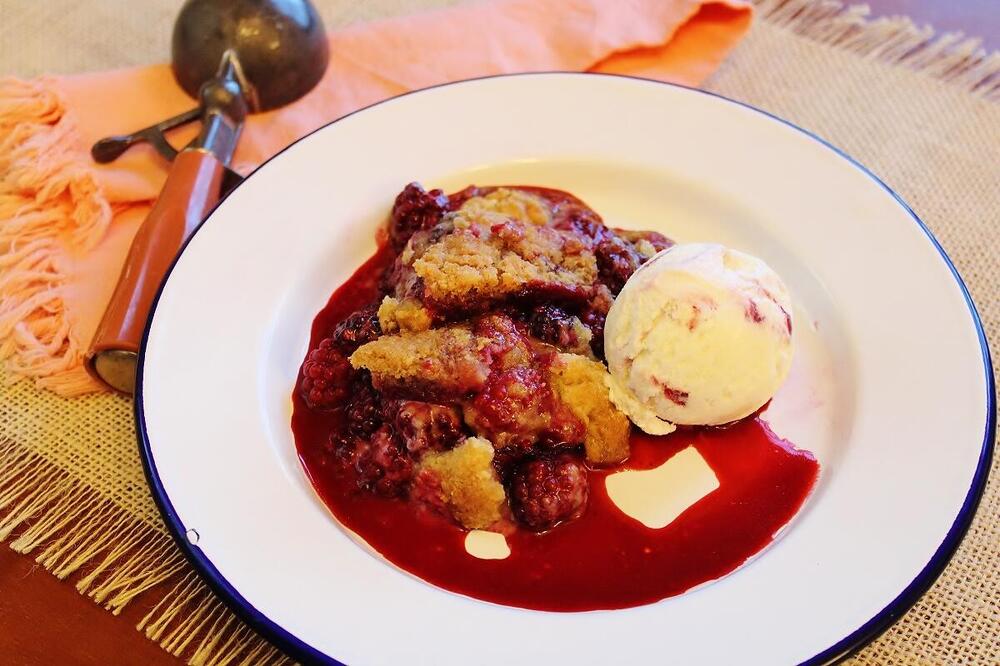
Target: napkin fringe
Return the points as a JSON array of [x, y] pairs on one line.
[[51, 207], [896, 40], [114, 557]]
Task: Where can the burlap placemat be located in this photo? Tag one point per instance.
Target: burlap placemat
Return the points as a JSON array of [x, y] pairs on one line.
[[918, 110]]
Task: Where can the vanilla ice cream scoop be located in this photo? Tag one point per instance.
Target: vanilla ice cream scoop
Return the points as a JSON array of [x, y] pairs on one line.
[[700, 335]]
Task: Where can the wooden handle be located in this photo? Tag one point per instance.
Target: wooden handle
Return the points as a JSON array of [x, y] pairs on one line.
[[192, 188]]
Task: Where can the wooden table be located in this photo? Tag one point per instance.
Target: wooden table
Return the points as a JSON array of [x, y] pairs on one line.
[[45, 621]]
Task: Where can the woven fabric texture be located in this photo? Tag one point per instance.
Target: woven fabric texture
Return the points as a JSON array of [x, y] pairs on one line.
[[937, 143]]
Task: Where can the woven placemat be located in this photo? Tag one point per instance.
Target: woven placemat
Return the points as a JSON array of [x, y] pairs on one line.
[[919, 110]]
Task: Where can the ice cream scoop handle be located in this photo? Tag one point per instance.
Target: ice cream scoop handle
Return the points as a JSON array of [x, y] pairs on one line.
[[192, 189]]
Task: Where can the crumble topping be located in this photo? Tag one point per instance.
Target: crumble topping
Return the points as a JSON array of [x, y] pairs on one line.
[[475, 384], [438, 363], [409, 314], [515, 204], [468, 484], [581, 384], [474, 259]]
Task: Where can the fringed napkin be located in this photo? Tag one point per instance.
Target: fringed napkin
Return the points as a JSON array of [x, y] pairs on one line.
[[66, 222]]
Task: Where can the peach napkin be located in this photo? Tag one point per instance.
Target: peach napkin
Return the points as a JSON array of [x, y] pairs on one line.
[[66, 222]]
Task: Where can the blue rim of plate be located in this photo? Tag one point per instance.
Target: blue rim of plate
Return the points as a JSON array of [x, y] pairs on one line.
[[850, 644]]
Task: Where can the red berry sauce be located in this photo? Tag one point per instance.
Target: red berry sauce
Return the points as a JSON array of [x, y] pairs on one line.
[[601, 560]]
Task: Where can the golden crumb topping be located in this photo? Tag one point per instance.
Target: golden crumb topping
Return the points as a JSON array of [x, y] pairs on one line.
[[469, 483], [408, 315], [515, 204], [442, 362], [486, 258], [580, 384]]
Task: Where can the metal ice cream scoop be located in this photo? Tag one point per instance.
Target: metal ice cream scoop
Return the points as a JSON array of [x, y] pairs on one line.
[[235, 56]]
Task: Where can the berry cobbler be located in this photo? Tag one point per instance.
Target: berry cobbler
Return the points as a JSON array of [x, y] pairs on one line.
[[474, 384], [459, 382]]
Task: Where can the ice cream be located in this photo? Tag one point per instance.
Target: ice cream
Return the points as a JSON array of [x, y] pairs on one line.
[[700, 335]]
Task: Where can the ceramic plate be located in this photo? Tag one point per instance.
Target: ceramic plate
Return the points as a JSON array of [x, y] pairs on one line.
[[891, 389]]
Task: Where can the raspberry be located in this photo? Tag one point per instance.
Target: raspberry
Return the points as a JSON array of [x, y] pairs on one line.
[[382, 464], [508, 345], [547, 491], [553, 325], [413, 210], [357, 329], [428, 427], [513, 407], [326, 375]]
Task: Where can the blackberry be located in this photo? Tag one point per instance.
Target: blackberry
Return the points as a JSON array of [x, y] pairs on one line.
[[363, 413], [357, 329], [413, 210], [382, 464], [553, 325], [425, 427], [616, 261], [547, 491]]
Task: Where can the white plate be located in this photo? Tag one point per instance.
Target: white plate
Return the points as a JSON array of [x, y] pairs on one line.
[[893, 388]]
